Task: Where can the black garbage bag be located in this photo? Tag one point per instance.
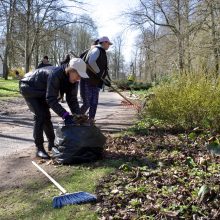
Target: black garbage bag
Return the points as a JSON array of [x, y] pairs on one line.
[[78, 144]]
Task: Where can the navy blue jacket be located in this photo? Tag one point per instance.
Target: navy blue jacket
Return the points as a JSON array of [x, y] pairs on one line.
[[51, 83]]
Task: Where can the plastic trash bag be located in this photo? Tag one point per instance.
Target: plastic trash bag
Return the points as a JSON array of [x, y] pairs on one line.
[[78, 144]]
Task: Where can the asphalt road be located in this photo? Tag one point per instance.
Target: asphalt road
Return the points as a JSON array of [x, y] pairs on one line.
[[16, 129]]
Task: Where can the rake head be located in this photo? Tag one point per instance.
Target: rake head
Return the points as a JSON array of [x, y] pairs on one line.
[[136, 106]]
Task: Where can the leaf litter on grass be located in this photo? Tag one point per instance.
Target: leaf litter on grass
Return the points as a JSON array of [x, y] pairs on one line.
[[165, 176]]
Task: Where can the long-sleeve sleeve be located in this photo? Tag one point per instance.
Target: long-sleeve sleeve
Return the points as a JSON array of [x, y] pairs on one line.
[[52, 94], [72, 100]]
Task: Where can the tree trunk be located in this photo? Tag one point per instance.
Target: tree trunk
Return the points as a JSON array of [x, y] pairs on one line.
[[27, 39], [8, 38], [214, 39]]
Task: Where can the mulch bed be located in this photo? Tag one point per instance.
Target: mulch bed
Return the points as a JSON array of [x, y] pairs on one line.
[[164, 176]]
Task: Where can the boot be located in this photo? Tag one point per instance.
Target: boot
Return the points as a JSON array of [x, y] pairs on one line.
[[42, 153]]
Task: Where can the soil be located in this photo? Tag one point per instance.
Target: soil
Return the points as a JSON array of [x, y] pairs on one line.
[[16, 168], [12, 106]]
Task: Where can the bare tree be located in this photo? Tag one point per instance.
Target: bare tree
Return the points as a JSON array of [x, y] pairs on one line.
[[214, 9], [8, 10], [36, 25], [177, 16], [117, 59]]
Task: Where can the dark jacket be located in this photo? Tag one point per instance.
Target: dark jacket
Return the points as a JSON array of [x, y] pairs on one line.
[[95, 79], [51, 83]]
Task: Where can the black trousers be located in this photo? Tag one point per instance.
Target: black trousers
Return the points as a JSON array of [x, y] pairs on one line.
[[42, 121]]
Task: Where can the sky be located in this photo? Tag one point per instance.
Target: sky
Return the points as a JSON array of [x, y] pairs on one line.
[[106, 14]]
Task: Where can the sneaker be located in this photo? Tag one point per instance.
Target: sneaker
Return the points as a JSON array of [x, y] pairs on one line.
[[55, 150], [41, 153]]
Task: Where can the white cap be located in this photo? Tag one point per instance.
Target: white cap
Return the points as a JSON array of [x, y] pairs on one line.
[[80, 66], [104, 39]]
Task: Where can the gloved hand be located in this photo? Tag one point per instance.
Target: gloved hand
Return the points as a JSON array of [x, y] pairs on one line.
[[107, 82], [68, 119]]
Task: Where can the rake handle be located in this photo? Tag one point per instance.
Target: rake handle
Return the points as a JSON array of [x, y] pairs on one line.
[[127, 100], [50, 178], [91, 69]]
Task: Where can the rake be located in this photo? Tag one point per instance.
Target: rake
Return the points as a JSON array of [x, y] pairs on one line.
[[67, 198], [127, 101]]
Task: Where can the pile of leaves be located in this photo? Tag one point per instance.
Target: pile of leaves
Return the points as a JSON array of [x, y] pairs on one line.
[[164, 176]]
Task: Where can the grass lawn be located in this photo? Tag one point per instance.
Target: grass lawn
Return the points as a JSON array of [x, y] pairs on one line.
[[9, 88], [33, 200]]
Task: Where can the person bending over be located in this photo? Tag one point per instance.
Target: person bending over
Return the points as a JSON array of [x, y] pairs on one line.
[[41, 89]]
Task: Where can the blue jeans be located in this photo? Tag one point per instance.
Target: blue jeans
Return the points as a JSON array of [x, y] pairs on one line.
[[90, 98]]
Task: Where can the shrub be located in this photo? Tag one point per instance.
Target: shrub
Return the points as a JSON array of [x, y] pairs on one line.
[[13, 74], [187, 101], [130, 85]]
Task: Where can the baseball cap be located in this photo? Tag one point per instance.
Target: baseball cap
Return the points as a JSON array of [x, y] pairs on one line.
[[105, 39], [80, 66]]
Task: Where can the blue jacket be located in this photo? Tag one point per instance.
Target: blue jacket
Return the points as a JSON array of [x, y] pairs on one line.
[[51, 83]]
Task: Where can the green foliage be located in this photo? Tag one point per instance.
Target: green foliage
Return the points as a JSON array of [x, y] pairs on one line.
[[8, 88], [132, 85], [12, 73], [186, 101]]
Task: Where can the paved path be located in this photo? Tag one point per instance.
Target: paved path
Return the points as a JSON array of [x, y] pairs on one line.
[[16, 130]]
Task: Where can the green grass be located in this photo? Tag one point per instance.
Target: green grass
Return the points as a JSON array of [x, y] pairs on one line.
[[9, 88], [34, 199]]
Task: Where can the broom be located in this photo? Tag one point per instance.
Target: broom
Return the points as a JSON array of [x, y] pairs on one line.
[[67, 198]]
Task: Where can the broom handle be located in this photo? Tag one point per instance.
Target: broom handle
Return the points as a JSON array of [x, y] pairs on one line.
[[50, 178]]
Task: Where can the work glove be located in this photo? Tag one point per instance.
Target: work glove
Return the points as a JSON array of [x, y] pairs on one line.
[[107, 82], [68, 119]]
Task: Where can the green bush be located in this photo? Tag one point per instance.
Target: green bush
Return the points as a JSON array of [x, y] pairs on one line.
[[186, 101], [132, 85], [13, 75]]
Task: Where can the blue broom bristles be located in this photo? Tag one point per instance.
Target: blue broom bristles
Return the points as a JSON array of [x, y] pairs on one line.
[[73, 198]]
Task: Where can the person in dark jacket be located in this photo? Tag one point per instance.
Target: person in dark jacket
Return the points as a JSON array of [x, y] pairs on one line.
[[96, 58], [44, 62], [41, 89]]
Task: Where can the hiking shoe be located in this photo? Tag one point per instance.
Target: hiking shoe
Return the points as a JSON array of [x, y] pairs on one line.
[[42, 154], [55, 150]]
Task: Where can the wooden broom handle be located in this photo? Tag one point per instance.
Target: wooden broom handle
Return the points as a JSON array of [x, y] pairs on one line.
[[50, 178]]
